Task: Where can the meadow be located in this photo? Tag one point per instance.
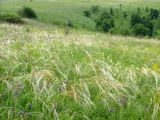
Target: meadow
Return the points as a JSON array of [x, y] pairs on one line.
[[46, 74]]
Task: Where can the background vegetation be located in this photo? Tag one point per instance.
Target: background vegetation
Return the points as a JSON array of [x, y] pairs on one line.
[[84, 14], [55, 66]]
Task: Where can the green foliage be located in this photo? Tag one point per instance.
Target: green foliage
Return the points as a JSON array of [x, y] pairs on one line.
[[125, 32], [135, 19], [147, 9], [95, 9], [11, 19], [114, 31], [154, 13], [125, 14], [87, 13], [140, 30], [143, 20], [138, 10], [27, 12], [112, 11], [104, 22], [122, 31]]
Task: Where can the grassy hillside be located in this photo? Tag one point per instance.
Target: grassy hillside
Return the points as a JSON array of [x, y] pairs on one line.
[[60, 11], [48, 71], [46, 75]]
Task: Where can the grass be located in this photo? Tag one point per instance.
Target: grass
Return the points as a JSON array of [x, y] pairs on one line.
[[45, 74]]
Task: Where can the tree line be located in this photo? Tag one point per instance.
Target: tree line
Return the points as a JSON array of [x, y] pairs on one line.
[[138, 22]]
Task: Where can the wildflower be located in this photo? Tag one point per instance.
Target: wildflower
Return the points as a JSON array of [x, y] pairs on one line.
[[155, 67]]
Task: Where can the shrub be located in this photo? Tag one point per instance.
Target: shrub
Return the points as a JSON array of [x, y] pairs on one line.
[[147, 9], [87, 13], [135, 19], [140, 30], [11, 19], [125, 31], [154, 13], [106, 25], [112, 11], [157, 35], [94, 8], [145, 20], [104, 22], [148, 23], [125, 15], [138, 10], [114, 31], [120, 5], [122, 31], [27, 12]]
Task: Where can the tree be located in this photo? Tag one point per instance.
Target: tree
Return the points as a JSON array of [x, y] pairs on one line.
[[125, 14], [104, 22], [27, 12], [147, 9], [94, 9], [136, 18], [140, 30], [87, 13], [107, 24], [154, 13], [148, 23], [112, 11], [138, 10], [144, 20]]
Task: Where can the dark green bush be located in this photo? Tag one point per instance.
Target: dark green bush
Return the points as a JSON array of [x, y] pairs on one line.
[[112, 11], [138, 10], [104, 22], [140, 30], [135, 19], [125, 15], [147, 9], [11, 19], [122, 31], [125, 31], [145, 20], [114, 31], [94, 8], [107, 25], [148, 23], [154, 13], [27, 12], [87, 13]]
